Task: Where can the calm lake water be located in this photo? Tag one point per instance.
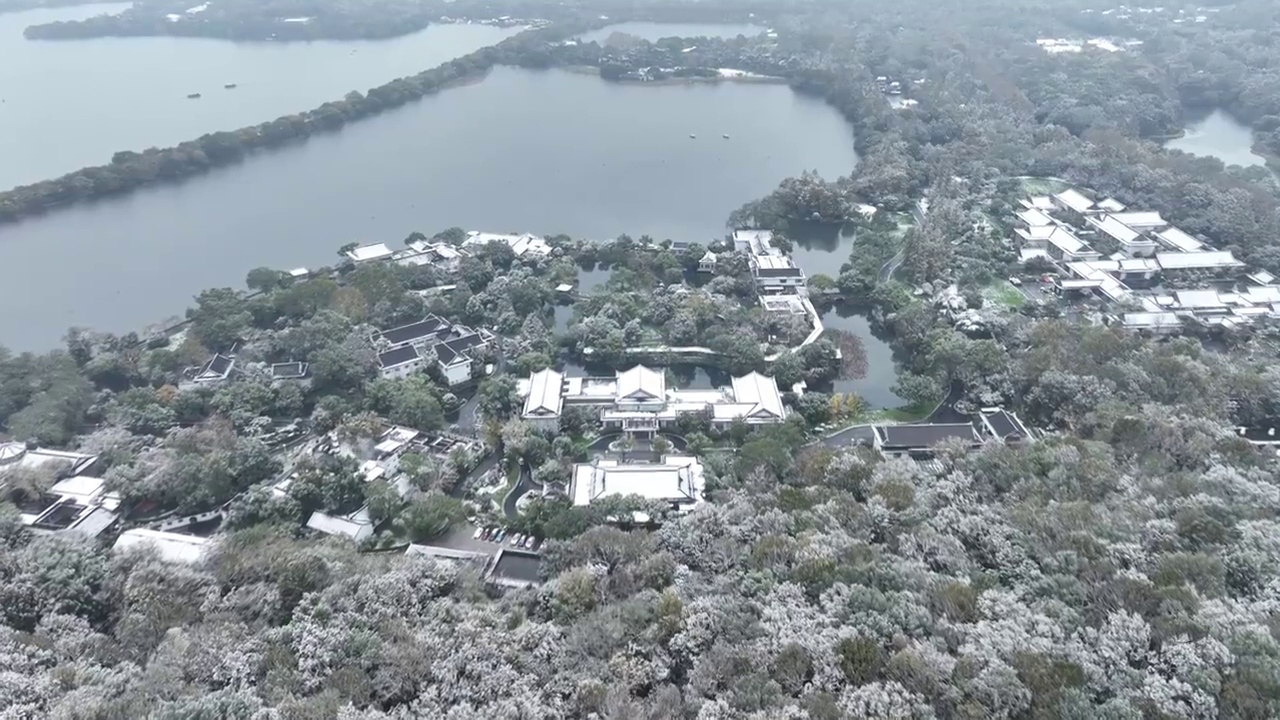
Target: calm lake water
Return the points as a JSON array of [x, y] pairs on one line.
[[69, 104], [1219, 135], [600, 160], [653, 32]]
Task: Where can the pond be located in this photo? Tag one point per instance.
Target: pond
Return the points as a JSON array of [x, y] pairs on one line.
[[875, 386], [1218, 134]]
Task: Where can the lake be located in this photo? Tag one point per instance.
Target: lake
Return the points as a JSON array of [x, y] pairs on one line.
[[654, 32], [69, 104], [543, 151], [1219, 135]]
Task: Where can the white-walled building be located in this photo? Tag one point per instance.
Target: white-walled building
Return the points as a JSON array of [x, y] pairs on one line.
[[753, 242], [357, 525], [1132, 243], [524, 246], [544, 400], [369, 253], [79, 505], [406, 349], [172, 547], [638, 400], [401, 362], [677, 480], [776, 272]]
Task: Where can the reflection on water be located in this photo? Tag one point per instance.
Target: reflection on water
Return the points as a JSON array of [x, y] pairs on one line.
[[820, 248], [875, 387]]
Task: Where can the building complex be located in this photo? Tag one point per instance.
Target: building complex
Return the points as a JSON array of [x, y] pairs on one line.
[[412, 348], [637, 401], [1155, 276]]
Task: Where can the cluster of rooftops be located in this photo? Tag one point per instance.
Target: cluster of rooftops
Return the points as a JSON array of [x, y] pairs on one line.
[[638, 400], [423, 252], [405, 349], [80, 504], [1150, 252]]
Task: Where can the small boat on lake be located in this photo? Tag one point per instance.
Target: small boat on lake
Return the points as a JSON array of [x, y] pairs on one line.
[[725, 136], [193, 96], [692, 136], [230, 86]]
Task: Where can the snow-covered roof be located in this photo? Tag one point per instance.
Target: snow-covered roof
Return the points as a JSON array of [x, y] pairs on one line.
[[1034, 218], [640, 382], [544, 399], [1115, 229], [677, 479], [1151, 320], [1175, 239], [1197, 260], [1074, 200], [1068, 243], [1198, 299], [172, 547], [1141, 220], [761, 393], [365, 253], [83, 489], [357, 526]]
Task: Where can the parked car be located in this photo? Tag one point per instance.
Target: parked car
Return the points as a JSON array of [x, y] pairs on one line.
[[516, 540], [1015, 281], [501, 534], [528, 542], [478, 533]]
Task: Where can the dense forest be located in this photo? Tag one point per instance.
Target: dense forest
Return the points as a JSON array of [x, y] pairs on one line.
[[1123, 565]]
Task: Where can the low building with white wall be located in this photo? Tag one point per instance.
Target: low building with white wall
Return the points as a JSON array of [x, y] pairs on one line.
[[638, 401], [677, 479], [172, 547], [544, 400]]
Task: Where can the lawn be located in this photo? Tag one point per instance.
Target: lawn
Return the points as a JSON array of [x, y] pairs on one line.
[[1043, 186], [1005, 294]]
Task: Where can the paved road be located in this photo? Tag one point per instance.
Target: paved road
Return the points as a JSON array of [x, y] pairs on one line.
[[888, 269], [523, 486]]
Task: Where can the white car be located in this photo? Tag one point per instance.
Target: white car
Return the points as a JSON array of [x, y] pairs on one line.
[[1016, 282], [478, 533], [516, 540]]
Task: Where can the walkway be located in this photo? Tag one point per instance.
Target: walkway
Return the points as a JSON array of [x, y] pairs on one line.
[[510, 504]]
